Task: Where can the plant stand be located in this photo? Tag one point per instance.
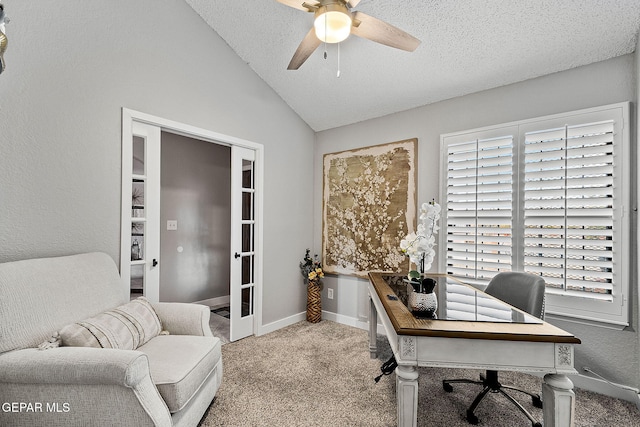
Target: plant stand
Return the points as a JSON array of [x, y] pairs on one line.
[[314, 302]]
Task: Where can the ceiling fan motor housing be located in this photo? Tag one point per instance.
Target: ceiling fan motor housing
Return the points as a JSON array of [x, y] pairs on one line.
[[332, 22]]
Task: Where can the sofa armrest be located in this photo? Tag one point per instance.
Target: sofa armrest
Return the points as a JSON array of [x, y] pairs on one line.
[[79, 386], [184, 318]]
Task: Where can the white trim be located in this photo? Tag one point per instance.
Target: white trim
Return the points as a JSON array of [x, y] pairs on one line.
[[351, 321], [188, 130], [282, 323], [599, 386], [125, 214], [129, 115], [583, 320]]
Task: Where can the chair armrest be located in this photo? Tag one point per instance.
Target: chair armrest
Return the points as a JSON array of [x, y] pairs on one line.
[[184, 318], [89, 385], [74, 365]]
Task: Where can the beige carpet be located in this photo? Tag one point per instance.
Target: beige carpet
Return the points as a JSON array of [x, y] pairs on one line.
[[220, 327], [321, 375]]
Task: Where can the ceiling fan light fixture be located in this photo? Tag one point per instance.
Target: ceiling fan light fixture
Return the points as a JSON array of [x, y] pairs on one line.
[[332, 23]]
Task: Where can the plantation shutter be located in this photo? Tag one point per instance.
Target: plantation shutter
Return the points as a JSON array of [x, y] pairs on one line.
[[568, 208], [479, 207], [550, 196]]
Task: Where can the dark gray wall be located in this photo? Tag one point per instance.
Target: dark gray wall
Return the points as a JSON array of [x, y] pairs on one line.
[[196, 192]]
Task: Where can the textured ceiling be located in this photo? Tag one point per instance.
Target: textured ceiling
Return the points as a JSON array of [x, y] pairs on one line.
[[467, 46]]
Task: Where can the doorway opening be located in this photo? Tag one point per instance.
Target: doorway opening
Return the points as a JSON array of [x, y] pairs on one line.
[[202, 226], [195, 225]]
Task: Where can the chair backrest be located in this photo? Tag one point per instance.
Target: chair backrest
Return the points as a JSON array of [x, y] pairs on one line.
[[39, 296], [521, 290]]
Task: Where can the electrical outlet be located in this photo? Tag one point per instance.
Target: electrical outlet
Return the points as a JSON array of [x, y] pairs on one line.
[[172, 224], [330, 293]]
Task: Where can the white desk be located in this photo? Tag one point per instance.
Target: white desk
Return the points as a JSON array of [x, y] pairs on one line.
[[528, 347]]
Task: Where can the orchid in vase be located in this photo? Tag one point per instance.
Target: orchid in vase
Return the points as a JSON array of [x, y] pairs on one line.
[[419, 246]]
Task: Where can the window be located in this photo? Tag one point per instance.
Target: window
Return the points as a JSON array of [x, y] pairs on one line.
[[549, 196]]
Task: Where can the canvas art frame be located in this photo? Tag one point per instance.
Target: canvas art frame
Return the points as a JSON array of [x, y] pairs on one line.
[[369, 204]]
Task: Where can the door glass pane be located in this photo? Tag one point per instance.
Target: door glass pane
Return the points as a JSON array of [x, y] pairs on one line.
[[138, 155], [137, 280], [137, 244], [247, 205], [137, 199], [247, 174], [247, 237], [247, 302], [137, 217], [247, 269]]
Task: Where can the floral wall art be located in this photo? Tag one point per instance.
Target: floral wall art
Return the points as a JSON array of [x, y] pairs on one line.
[[369, 206]]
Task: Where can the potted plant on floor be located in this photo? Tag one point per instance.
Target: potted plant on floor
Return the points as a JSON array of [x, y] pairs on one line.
[[311, 269]]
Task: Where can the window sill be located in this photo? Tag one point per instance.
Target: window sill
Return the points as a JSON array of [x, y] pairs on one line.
[[550, 316]]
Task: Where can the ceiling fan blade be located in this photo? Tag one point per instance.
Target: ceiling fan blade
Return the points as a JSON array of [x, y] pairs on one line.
[[352, 3], [298, 4], [380, 32], [304, 51]]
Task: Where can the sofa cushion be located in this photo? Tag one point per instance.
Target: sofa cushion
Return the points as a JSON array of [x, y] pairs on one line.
[[126, 327], [180, 364]]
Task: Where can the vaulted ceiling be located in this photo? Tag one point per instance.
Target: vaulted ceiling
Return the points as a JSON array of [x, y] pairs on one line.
[[467, 46]]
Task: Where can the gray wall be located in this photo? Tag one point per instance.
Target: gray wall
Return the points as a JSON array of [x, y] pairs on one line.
[[71, 68], [613, 354], [195, 191]]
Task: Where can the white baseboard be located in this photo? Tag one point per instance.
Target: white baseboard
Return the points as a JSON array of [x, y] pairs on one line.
[[326, 315], [279, 324], [597, 385], [213, 302], [350, 321]]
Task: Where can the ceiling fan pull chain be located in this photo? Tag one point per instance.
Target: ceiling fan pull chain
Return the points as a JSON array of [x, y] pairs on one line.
[[325, 39], [338, 74]]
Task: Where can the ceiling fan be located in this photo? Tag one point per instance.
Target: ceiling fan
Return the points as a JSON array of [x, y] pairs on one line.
[[334, 22]]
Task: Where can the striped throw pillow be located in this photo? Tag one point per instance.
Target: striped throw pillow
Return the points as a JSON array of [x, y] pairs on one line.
[[126, 327]]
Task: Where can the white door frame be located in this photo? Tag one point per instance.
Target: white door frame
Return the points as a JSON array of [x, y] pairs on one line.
[[129, 116]]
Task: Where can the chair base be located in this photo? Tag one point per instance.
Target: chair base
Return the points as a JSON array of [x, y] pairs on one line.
[[491, 384]]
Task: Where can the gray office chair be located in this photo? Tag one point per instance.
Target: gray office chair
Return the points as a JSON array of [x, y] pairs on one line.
[[526, 292]]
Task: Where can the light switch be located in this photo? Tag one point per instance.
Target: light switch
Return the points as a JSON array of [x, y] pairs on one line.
[[172, 224]]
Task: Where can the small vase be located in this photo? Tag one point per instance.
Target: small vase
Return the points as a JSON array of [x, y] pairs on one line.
[[422, 301], [314, 302]]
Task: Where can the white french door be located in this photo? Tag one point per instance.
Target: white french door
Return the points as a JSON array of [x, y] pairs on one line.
[[141, 134], [243, 242], [140, 247]]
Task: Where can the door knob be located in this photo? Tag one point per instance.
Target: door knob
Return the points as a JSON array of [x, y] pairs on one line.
[[237, 255], [155, 262]]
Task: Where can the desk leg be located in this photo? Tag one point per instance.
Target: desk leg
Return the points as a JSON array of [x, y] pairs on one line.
[[407, 394], [559, 401], [373, 329]]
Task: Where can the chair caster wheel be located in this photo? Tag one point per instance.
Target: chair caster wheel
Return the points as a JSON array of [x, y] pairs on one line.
[[447, 387], [536, 401], [537, 425], [471, 418]]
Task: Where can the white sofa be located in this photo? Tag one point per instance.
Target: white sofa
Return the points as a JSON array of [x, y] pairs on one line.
[[169, 381]]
